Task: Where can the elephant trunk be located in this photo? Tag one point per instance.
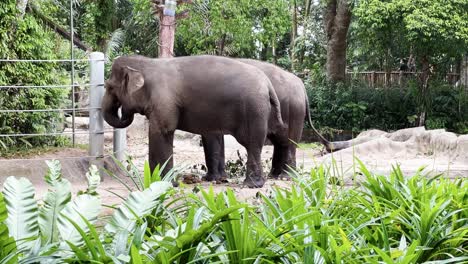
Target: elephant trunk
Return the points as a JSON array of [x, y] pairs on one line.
[[110, 110]]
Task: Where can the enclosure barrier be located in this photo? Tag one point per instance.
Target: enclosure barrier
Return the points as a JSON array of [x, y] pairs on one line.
[[393, 78], [96, 121]]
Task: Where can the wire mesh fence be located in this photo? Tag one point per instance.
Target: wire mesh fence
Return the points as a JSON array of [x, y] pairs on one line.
[[60, 121]]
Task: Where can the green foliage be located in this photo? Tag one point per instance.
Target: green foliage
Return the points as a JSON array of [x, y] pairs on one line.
[[7, 243], [138, 205], [357, 107], [22, 209], [392, 219], [54, 201], [231, 27], [388, 30], [74, 218], [26, 39]]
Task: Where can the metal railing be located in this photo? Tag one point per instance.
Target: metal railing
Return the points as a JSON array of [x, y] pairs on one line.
[[96, 128], [400, 78]]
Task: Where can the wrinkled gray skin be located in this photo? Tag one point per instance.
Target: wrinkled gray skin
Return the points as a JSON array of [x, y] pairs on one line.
[[198, 94], [294, 110]]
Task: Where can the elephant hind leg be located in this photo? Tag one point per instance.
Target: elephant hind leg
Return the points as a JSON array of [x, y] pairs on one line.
[[213, 146], [253, 143], [280, 157], [254, 177], [295, 133]]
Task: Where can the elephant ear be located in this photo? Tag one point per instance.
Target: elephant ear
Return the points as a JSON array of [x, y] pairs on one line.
[[133, 80]]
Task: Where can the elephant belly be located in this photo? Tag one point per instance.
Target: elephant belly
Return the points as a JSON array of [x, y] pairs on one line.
[[201, 121]]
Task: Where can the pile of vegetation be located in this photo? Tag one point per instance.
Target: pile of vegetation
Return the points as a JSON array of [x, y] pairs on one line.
[[387, 219], [356, 107]]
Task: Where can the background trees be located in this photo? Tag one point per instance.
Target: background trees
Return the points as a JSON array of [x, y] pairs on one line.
[[318, 40]]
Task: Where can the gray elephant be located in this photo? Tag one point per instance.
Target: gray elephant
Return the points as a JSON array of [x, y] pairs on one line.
[[294, 110], [199, 94]]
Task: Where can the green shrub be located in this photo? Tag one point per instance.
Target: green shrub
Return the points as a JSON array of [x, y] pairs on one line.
[[26, 39], [357, 107], [388, 219]]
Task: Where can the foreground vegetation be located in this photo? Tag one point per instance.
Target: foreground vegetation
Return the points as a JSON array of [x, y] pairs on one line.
[[388, 219]]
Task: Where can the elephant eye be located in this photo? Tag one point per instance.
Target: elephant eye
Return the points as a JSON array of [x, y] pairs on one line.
[[107, 86]]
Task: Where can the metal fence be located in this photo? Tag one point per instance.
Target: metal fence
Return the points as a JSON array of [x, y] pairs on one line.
[[95, 90], [394, 78]]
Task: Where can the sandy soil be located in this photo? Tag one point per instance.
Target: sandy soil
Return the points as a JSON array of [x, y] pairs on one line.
[[379, 153]]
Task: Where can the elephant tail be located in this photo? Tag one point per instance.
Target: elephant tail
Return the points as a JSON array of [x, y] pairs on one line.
[[329, 146], [275, 106]]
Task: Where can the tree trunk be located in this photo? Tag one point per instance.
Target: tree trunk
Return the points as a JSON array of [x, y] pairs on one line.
[[222, 43], [166, 36], [293, 35], [21, 6], [273, 52], [58, 29], [424, 88], [464, 71], [337, 19], [264, 52]]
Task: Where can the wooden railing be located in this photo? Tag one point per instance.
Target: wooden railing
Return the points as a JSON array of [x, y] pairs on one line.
[[394, 78]]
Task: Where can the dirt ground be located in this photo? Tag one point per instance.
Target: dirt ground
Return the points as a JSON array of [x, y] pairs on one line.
[[379, 154]]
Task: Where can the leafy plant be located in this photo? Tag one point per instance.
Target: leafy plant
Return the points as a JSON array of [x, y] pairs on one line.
[[7, 243], [24, 38], [385, 219], [356, 107], [22, 208]]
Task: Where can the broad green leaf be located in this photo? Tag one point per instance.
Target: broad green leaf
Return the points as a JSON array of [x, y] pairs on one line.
[[138, 205], [94, 179], [55, 200], [83, 206], [136, 258], [22, 220], [7, 243]]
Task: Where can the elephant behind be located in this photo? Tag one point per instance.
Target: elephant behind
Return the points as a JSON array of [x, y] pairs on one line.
[[294, 106], [205, 95]]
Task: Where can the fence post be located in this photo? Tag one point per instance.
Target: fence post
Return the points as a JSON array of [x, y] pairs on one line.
[[96, 92], [120, 142]]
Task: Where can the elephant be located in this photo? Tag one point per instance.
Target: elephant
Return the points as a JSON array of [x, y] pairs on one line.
[[294, 106], [199, 94]]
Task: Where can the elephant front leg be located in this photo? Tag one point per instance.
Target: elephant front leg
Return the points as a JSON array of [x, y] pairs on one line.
[[161, 150]]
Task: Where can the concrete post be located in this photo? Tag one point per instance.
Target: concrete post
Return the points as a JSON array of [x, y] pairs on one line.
[[120, 143], [96, 92]]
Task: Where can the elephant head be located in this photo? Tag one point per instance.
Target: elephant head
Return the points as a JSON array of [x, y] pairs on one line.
[[121, 91]]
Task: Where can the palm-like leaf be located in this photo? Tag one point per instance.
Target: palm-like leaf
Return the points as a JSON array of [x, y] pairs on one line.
[[94, 179], [83, 206], [115, 42], [137, 205], [22, 211], [7, 244], [54, 173], [54, 202]]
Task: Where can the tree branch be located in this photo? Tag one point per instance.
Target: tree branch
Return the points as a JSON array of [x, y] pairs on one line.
[[62, 32]]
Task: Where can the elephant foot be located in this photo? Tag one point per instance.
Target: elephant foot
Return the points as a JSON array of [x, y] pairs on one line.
[[209, 177], [273, 176], [282, 176], [257, 182], [222, 179]]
